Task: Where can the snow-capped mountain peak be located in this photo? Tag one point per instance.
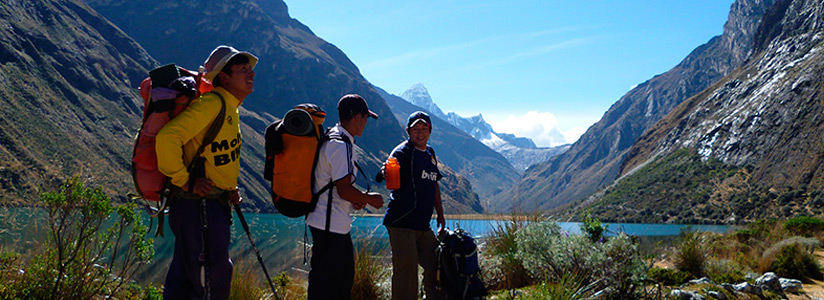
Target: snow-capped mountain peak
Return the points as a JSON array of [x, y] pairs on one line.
[[520, 151], [419, 95]]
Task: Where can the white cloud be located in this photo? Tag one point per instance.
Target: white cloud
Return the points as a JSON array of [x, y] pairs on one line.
[[541, 127], [572, 134]]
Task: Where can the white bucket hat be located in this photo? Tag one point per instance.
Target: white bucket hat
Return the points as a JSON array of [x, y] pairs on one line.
[[219, 57]]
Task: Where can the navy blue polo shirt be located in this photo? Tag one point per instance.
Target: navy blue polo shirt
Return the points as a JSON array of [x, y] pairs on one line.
[[411, 205]]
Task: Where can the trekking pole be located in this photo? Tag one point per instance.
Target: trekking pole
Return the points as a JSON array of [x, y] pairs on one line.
[[259, 258]]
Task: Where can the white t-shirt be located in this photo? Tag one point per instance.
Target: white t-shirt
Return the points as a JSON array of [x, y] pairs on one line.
[[336, 159]]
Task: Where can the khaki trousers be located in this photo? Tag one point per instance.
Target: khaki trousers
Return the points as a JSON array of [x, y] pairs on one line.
[[411, 248]]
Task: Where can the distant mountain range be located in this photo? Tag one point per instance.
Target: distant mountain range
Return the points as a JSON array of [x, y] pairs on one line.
[[521, 152]]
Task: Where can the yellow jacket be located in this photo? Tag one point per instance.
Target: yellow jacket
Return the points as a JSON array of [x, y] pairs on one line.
[[181, 137]]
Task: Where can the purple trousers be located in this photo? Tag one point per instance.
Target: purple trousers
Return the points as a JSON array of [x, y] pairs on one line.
[[195, 263]]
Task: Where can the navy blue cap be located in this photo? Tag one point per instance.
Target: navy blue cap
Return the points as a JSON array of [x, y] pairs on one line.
[[352, 104], [416, 117]]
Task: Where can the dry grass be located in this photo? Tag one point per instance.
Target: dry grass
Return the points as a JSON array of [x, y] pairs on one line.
[[370, 271]]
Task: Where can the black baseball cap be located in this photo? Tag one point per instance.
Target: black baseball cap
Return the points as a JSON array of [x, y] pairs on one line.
[[416, 117], [352, 104]]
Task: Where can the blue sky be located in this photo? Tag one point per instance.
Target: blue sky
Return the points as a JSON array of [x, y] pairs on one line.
[[530, 67]]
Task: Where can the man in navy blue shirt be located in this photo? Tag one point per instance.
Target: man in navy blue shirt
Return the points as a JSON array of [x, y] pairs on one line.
[[410, 211]]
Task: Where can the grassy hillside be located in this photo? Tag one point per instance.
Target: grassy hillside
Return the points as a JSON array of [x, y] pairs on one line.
[[66, 106], [686, 188]]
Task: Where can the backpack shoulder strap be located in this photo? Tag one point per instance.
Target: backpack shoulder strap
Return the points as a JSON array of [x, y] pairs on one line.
[[197, 168], [329, 186], [211, 134]]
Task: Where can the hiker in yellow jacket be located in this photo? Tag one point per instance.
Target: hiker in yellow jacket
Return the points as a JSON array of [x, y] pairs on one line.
[[200, 215]]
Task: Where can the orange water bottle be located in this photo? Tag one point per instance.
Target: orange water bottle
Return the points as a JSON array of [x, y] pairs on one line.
[[393, 174]]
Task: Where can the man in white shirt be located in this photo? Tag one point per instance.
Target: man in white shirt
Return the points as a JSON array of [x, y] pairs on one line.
[[333, 262]]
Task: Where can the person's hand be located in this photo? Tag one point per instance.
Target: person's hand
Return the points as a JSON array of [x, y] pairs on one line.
[[202, 187], [381, 175], [441, 224], [358, 206], [236, 198], [374, 199]]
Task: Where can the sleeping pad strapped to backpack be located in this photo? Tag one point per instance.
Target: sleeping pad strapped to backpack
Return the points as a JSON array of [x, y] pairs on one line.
[[458, 270], [292, 146]]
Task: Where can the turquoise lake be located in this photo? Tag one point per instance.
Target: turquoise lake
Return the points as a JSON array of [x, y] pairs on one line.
[[280, 240]]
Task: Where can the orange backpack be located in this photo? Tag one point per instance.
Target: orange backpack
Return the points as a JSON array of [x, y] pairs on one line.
[[166, 93], [292, 146]]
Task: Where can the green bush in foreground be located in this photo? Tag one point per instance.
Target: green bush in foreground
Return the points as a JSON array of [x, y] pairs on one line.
[[502, 245], [668, 277], [569, 287], [93, 250], [691, 256], [549, 254], [792, 261], [724, 271]]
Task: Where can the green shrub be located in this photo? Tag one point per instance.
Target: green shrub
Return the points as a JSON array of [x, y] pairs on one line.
[[94, 249], [691, 256], [592, 227], [792, 261], [668, 277], [804, 225], [743, 235], [619, 267], [8, 258], [549, 254], [724, 271], [569, 287], [502, 244]]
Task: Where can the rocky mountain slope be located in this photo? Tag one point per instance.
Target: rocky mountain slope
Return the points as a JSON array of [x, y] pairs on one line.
[[67, 106], [488, 171], [595, 159], [521, 152], [764, 120], [70, 103]]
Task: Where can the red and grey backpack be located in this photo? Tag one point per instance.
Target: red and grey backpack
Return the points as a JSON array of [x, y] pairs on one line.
[[166, 93]]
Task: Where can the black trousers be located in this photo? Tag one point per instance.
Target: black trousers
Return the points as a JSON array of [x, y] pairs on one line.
[[183, 280], [333, 265]]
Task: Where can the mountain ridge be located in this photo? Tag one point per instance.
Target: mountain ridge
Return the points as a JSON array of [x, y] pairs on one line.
[[594, 160], [761, 123]]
